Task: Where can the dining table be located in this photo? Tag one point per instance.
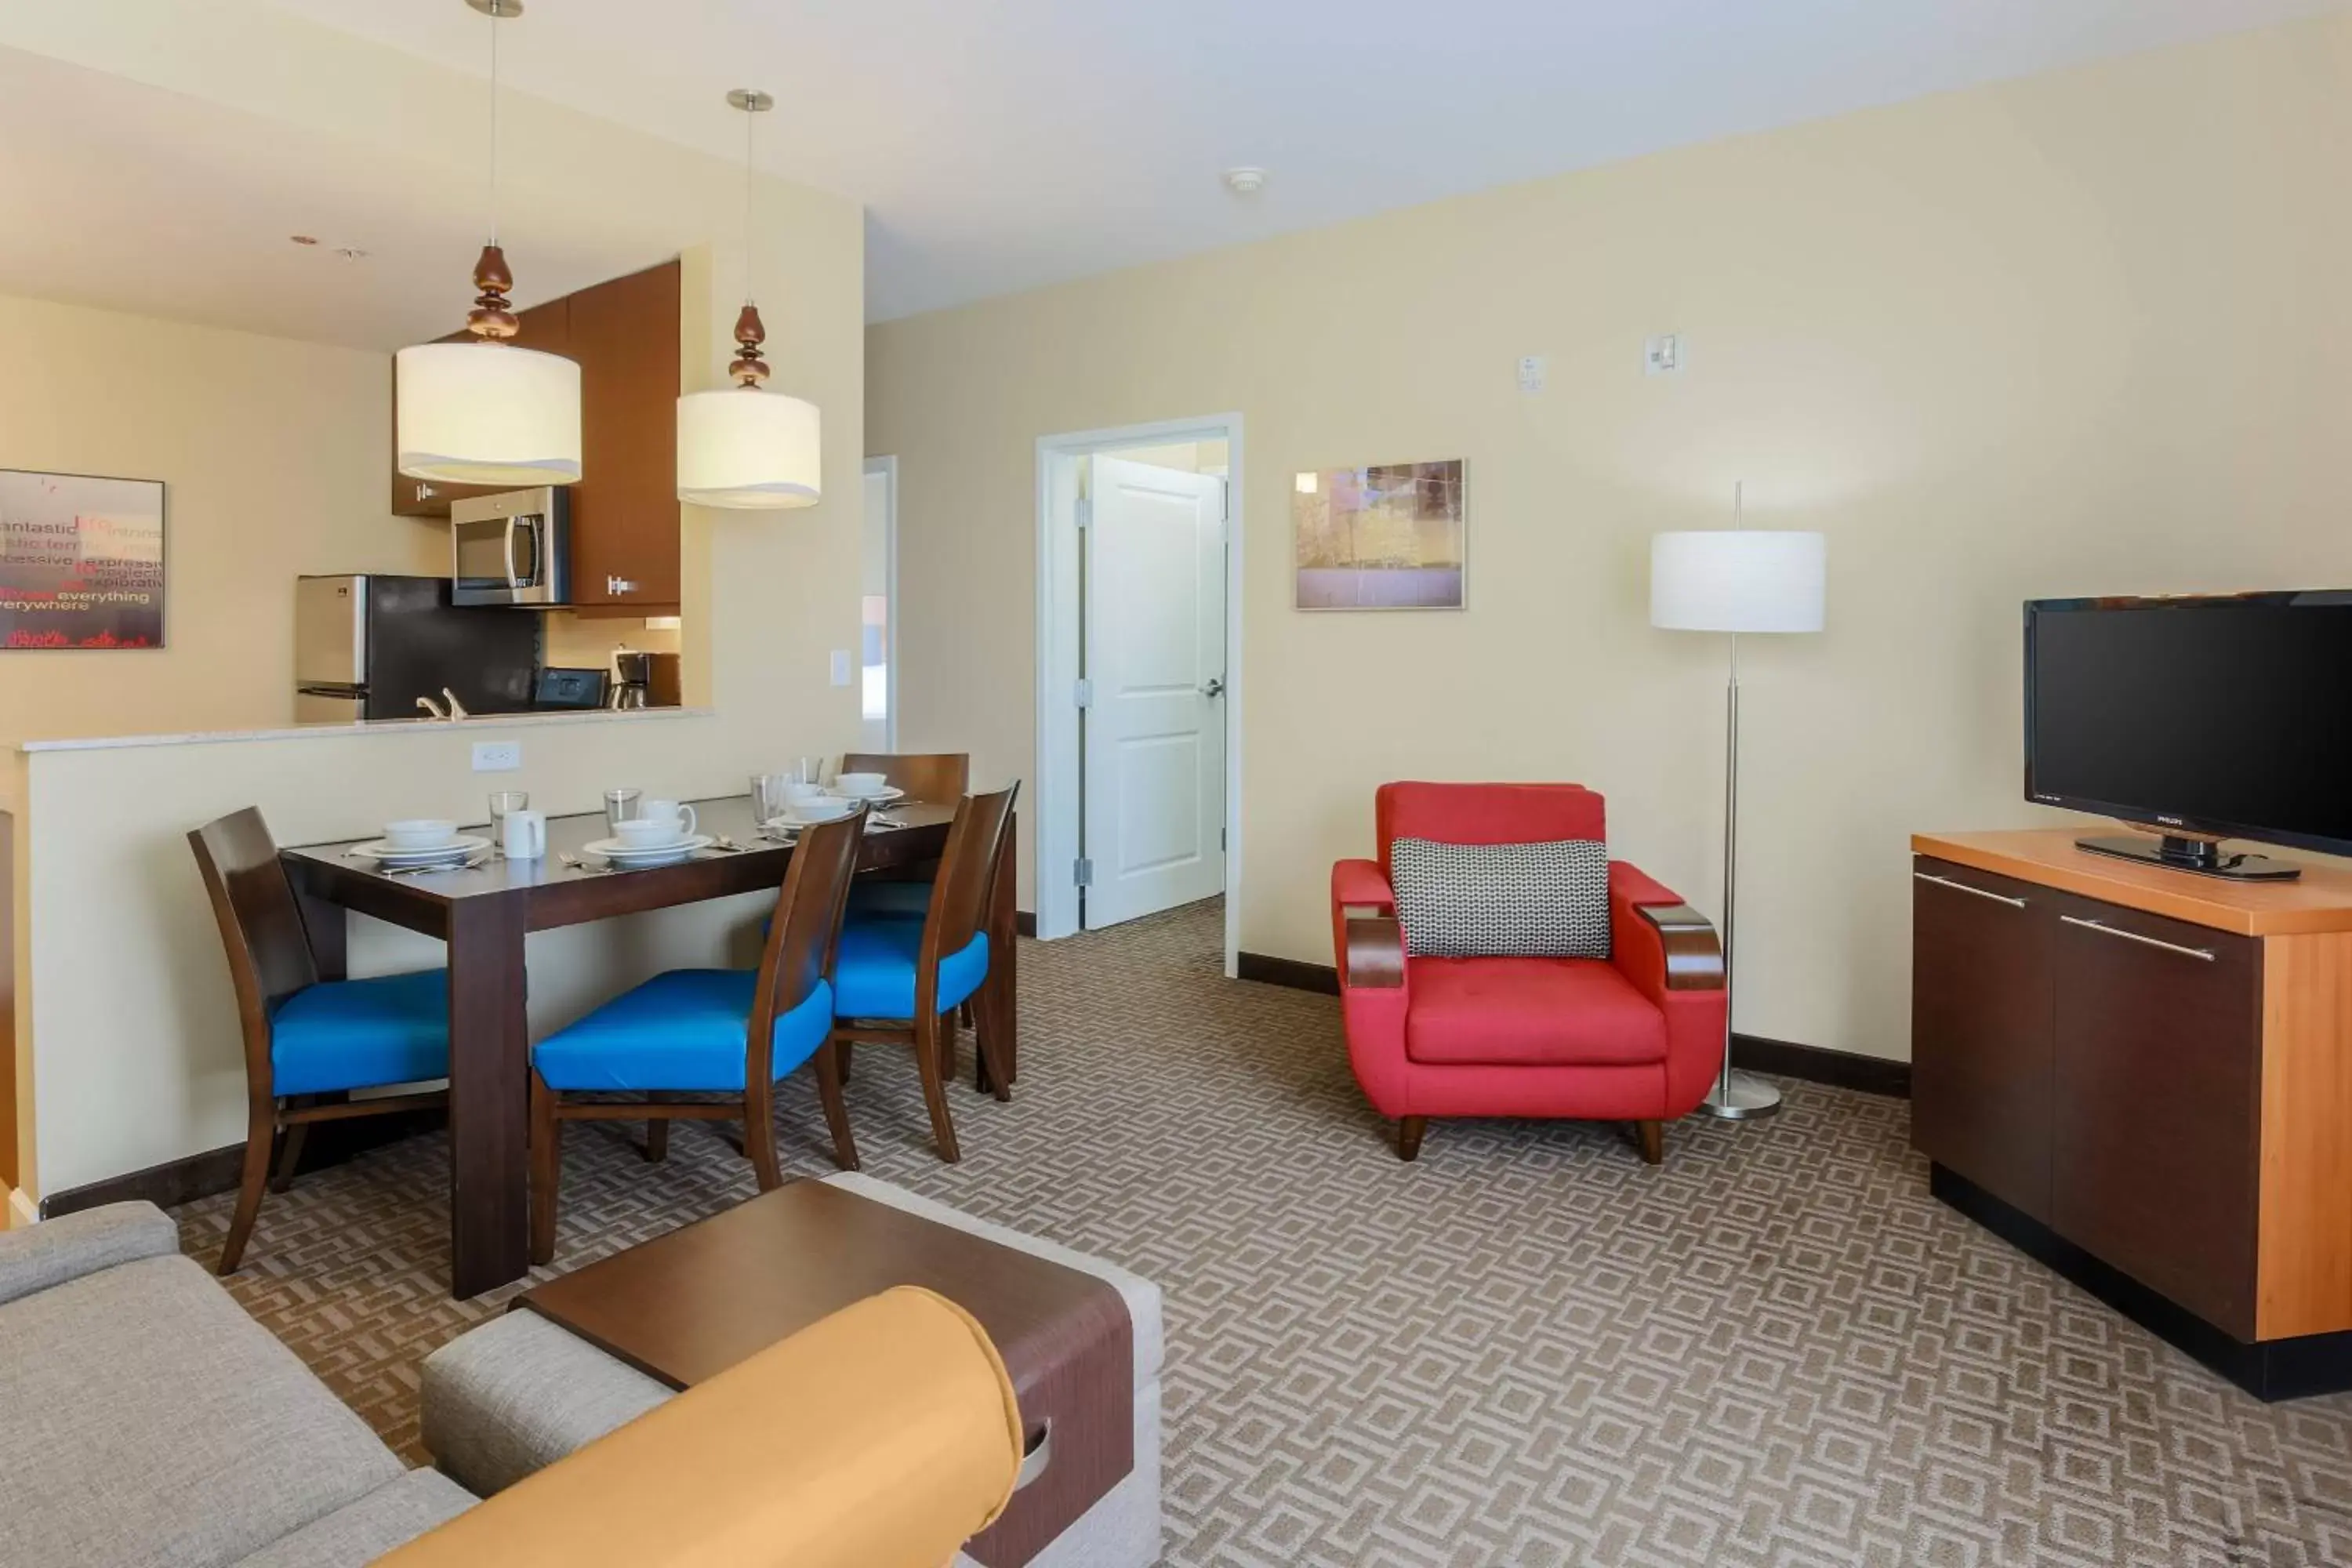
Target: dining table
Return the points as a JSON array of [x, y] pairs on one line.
[[483, 912]]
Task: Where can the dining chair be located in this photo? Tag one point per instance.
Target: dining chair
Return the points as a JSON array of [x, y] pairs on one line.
[[938, 777], [708, 1032], [899, 979], [309, 1041]]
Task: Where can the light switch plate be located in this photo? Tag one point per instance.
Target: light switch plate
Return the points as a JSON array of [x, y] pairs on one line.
[[1531, 372], [496, 756], [841, 667], [1664, 356]]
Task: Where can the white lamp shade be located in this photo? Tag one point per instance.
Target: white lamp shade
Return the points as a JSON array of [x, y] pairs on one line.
[[744, 447], [487, 413], [1738, 580]]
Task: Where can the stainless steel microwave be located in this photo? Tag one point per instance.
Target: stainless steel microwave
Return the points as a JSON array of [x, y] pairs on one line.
[[513, 548]]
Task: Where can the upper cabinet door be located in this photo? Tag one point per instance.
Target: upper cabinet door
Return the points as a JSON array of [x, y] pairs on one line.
[[624, 510], [546, 327]]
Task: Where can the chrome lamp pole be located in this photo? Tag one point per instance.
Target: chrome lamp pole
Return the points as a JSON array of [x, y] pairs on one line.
[[1737, 580]]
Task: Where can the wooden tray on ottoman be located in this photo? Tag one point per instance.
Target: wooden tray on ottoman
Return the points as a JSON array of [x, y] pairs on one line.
[[686, 1306]]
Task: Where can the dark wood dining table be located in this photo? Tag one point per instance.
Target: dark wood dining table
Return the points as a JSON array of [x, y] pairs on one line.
[[483, 912]]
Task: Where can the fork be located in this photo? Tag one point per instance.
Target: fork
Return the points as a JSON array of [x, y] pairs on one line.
[[573, 862], [473, 864]]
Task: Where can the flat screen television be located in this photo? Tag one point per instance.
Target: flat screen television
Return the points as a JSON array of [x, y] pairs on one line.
[[2196, 719]]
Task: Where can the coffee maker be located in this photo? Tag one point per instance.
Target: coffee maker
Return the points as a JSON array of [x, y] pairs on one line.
[[632, 681]]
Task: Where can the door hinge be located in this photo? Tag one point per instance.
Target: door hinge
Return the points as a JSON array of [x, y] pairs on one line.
[[1085, 512], [1083, 693], [1082, 873]]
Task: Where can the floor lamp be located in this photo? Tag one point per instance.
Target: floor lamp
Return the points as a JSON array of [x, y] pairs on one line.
[[1735, 581]]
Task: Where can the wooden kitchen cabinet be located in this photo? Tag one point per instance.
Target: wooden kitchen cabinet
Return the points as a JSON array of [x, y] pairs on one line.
[[2144, 1078], [547, 328], [624, 510]]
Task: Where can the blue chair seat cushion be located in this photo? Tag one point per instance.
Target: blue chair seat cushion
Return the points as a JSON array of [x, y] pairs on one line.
[[361, 1034], [679, 1033], [874, 976]]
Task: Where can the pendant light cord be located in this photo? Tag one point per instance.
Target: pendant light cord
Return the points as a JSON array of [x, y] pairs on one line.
[[750, 249], [494, 126]]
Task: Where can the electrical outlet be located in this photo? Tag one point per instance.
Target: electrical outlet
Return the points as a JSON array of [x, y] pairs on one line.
[[841, 667], [1664, 356], [1531, 372], [496, 756]]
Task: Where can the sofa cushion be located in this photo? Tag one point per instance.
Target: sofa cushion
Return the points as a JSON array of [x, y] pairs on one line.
[[1528, 1012], [359, 1533], [1547, 899], [149, 1421], [71, 1246], [518, 1394]]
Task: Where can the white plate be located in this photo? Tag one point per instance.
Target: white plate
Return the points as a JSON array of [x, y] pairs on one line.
[[613, 849], [382, 851]]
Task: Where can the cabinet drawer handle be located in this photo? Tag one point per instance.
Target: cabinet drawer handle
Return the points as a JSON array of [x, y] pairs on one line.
[[1964, 888], [2204, 952]]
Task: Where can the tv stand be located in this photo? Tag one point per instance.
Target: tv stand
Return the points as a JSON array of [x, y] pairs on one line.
[[2201, 856], [2146, 1080]]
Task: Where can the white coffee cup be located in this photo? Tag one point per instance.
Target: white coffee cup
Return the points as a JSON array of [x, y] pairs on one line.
[[859, 786], [420, 833], [525, 835]]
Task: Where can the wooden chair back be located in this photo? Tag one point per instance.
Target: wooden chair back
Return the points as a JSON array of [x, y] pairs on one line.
[[935, 776], [967, 875], [805, 930], [269, 953]]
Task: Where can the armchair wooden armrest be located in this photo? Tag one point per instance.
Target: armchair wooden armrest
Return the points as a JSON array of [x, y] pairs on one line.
[[1663, 944], [884, 1437], [1694, 954], [1363, 912]]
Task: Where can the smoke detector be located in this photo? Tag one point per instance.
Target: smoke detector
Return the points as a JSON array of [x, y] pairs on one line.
[[1245, 181]]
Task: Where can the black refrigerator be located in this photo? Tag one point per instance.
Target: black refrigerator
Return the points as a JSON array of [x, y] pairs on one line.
[[368, 647]]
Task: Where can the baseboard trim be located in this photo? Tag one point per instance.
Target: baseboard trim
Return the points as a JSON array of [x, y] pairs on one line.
[[177, 1182], [1290, 973], [2270, 1369], [1024, 923], [1810, 1064]]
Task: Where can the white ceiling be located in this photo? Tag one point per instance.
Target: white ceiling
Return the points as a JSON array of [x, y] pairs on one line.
[[1002, 144]]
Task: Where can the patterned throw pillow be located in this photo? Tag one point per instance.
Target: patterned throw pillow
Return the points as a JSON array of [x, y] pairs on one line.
[[1502, 900]]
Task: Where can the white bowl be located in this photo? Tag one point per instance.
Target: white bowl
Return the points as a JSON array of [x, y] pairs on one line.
[[420, 833], [825, 808], [858, 787], [805, 791], [642, 833]]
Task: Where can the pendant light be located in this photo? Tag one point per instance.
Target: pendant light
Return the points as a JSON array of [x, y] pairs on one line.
[[744, 447], [486, 411]]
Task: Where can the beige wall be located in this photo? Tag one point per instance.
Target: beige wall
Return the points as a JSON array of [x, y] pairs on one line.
[[274, 457], [2088, 333]]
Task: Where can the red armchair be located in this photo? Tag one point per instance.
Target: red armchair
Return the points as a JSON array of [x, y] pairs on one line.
[[1636, 1037]]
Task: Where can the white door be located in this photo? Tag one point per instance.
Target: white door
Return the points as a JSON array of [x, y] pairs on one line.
[[1155, 668]]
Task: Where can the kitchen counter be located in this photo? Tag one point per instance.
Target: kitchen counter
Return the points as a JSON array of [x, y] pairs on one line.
[[373, 727]]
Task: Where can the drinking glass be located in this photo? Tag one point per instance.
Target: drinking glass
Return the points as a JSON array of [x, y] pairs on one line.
[[502, 802], [809, 770], [767, 794], [621, 806]]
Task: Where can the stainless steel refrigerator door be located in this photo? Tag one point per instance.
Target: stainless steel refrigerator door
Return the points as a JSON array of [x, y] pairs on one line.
[[328, 707], [330, 631]]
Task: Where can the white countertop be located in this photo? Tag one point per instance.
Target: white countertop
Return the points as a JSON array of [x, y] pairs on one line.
[[373, 727]]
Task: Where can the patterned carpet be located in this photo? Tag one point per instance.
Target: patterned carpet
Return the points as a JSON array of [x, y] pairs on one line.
[[1527, 1348]]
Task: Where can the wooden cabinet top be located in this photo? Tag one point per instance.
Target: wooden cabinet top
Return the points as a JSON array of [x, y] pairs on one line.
[[2320, 900]]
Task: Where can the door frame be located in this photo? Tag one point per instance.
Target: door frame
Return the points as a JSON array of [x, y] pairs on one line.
[[1058, 796], [887, 467]]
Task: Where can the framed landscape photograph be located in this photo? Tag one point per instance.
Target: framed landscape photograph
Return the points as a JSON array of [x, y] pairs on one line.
[[1391, 537], [81, 562]]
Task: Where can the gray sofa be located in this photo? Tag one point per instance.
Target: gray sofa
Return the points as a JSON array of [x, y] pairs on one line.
[[145, 1419]]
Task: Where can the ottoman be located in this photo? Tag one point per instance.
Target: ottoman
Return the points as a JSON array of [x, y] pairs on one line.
[[520, 1392]]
